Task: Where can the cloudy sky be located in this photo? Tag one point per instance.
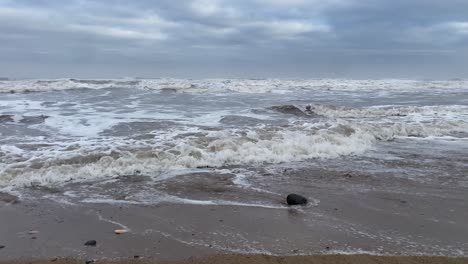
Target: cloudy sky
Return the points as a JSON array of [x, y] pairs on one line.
[[236, 38]]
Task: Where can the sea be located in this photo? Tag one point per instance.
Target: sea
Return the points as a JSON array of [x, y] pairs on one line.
[[224, 141]]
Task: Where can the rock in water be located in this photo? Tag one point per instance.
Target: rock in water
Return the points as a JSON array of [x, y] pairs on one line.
[[295, 199], [289, 109], [90, 243]]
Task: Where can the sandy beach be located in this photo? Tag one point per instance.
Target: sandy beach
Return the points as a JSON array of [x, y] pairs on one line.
[[262, 259], [206, 175], [233, 132], [392, 218]]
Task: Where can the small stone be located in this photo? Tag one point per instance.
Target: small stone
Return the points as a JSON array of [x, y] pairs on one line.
[[295, 251], [89, 261], [403, 201], [136, 257], [120, 231], [54, 260], [2, 246], [327, 248], [295, 199], [33, 237], [90, 243]]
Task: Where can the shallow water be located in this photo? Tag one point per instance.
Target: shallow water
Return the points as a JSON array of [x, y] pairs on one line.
[[119, 140]]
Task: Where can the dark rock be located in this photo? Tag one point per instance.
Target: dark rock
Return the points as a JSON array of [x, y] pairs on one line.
[[89, 261], [90, 243], [2, 246], [295, 199], [136, 257], [54, 260], [289, 109]]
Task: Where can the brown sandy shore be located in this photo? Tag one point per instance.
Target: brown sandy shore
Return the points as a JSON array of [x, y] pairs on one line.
[[263, 259], [359, 217]]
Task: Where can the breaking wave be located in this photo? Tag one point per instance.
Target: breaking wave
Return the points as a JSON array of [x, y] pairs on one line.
[[228, 85], [217, 149], [302, 140]]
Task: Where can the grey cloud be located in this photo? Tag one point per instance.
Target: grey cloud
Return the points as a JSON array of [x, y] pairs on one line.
[[245, 38]]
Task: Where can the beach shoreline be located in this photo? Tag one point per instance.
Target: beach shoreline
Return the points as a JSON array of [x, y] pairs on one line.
[[347, 214], [264, 259]]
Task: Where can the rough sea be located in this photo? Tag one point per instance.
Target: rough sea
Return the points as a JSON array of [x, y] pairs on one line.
[[144, 141]]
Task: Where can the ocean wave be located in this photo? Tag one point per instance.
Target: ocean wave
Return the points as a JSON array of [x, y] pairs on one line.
[[56, 163], [449, 111], [229, 85]]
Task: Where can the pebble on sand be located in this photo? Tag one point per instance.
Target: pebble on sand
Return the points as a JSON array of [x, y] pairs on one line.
[[120, 231], [90, 243], [296, 199]]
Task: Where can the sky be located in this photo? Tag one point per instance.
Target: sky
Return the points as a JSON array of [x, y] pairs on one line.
[[234, 39]]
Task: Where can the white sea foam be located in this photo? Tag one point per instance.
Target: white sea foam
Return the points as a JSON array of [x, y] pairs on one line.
[[75, 139], [233, 85], [85, 161], [410, 112], [97, 158], [165, 198]]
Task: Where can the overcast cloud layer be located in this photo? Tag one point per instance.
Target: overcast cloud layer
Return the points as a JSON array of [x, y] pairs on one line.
[[246, 39]]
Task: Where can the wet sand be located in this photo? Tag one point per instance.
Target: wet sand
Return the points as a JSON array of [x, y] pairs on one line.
[[353, 214], [262, 259]]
